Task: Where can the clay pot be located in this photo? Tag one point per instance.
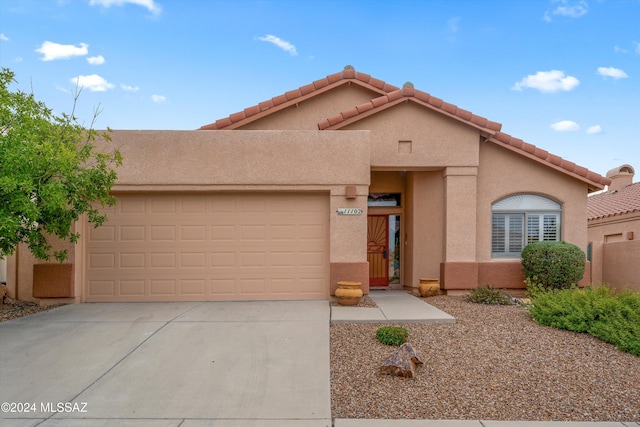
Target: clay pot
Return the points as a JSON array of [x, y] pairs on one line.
[[428, 287], [348, 293]]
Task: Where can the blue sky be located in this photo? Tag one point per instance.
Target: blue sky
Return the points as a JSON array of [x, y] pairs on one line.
[[563, 75]]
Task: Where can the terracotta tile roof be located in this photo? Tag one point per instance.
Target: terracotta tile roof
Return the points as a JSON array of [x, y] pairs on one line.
[[490, 129], [349, 74], [618, 202], [390, 96]]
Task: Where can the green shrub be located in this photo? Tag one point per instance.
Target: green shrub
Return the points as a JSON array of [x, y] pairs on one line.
[[392, 335], [488, 295], [614, 318], [553, 265]]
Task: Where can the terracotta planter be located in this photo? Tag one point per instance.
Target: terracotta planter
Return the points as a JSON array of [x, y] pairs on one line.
[[348, 293], [428, 287]]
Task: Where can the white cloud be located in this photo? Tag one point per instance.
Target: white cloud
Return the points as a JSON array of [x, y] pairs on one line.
[[618, 49], [614, 73], [93, 82], [568, 9], [452, 24], [53, 51], [158, 98], [128, 88], [565, 126], [96, 60], [151, 5], [594, 130], [548, 81], [637, 47], [282, 44], [3, 37]]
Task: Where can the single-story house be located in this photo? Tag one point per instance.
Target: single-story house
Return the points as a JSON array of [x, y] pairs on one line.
[[614, 231], [346, 178]]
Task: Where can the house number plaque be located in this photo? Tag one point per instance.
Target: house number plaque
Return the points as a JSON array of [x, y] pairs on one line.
[[349, 211]]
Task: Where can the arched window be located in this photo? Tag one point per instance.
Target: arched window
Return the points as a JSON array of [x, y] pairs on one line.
[[522, 219]]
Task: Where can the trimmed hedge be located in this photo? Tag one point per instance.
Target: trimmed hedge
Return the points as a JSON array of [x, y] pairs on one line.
[[554, 265]]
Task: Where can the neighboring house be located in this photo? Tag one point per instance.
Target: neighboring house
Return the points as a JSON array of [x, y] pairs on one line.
[[614, 231], [346, 178]]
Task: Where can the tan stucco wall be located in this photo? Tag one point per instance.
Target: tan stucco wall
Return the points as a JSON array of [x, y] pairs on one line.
[[410, 136], [160, 161], [615, 250], [503, 173]]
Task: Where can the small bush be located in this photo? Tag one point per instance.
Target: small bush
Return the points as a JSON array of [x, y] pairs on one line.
[[488, 295], [614, 318], [392, 335], [554, 265]]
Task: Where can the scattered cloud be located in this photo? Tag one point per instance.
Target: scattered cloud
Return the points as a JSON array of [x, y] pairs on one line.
[[282, 44], [150, 5], [3, 37], [96, 60], [548, 81], [52, 51], [567, 9], [565, 126], [637, 47], [128, 88], [594, 130], [618, 49], [452, 24], [93, 82], [614, 73], [158, 98]]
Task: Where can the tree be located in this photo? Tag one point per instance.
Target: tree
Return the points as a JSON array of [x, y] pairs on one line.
[[50, 173]]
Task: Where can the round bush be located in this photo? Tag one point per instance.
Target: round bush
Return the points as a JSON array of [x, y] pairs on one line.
[[392, 335], [554, 265]]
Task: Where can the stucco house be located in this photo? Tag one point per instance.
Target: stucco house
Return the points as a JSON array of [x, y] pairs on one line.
[[346, 178], [614, 231]]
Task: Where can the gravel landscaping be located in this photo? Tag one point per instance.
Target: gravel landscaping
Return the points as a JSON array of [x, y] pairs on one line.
[[13, 309], [493, 363]]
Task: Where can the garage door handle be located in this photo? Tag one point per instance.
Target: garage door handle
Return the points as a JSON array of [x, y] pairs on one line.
[[384, 253]]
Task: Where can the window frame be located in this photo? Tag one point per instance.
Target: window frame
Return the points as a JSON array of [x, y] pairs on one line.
[[518, 213]]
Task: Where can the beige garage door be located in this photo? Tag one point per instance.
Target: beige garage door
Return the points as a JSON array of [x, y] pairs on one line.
[[220, 246]]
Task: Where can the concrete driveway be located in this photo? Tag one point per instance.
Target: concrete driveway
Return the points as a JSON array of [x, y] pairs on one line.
[[168, 364]]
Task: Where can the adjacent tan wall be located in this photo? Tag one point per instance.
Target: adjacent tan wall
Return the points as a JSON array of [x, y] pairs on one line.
[[615, 250]]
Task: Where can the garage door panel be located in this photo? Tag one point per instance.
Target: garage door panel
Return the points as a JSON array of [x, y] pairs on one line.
[[221, 246]]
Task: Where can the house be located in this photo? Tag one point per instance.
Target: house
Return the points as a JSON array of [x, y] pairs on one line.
[[614, 231], [346, 178]]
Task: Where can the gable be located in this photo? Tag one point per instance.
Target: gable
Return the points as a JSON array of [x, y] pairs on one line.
[[413, 137], [306, 113]]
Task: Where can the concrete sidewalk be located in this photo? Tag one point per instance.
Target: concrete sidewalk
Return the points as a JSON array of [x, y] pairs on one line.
[[393, 307]]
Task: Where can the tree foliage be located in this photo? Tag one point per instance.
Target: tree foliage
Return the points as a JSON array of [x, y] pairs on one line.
[[50, 173]]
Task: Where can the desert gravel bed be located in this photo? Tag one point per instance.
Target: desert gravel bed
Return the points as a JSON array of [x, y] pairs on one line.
[[493, 363], [12, 309]]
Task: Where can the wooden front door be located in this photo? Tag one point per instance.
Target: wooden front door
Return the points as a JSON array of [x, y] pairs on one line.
[[378, 249]]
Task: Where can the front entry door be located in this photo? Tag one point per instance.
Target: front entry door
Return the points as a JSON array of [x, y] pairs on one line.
[[378, 249]]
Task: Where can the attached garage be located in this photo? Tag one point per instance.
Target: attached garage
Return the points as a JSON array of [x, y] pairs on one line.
[[210, 246]]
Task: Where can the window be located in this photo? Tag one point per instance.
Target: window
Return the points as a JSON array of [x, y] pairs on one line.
[[522, 219]]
